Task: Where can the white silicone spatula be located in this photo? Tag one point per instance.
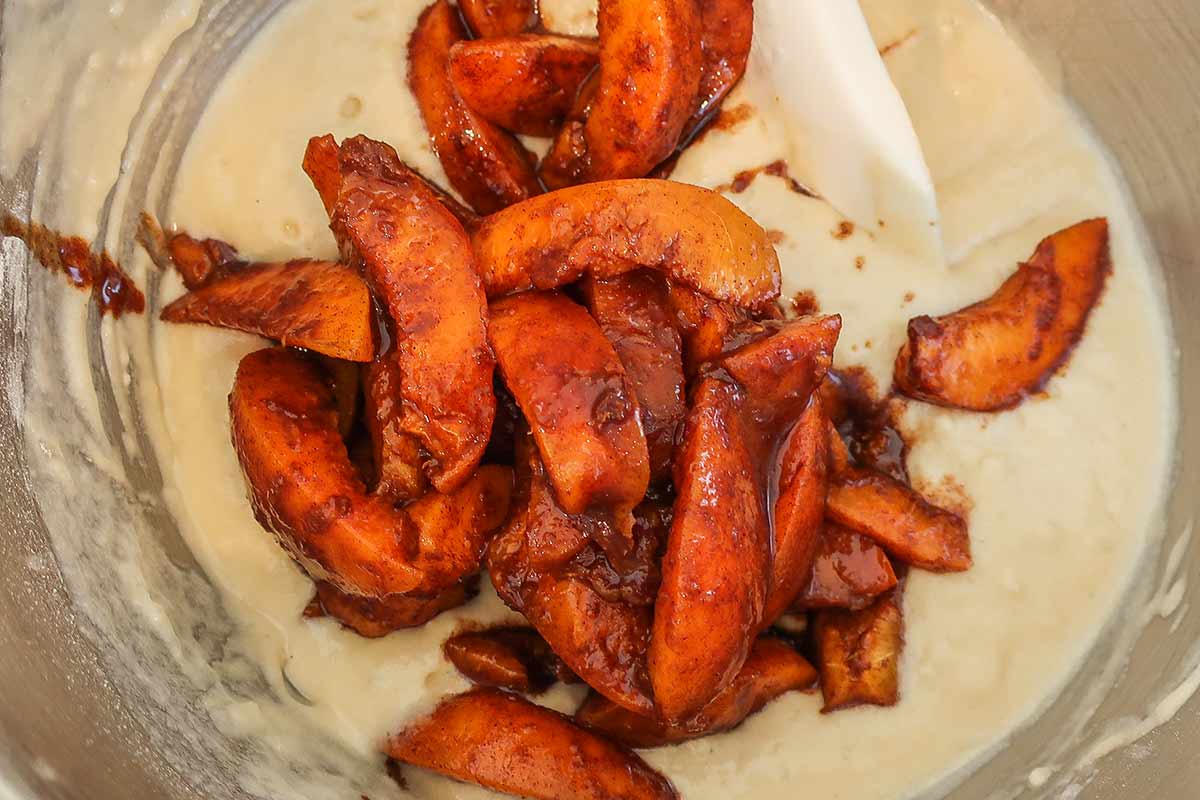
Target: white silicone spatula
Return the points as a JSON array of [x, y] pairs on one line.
[[850, 135]]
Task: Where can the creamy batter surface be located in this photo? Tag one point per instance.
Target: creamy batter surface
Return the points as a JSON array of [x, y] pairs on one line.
[[1063, 492]]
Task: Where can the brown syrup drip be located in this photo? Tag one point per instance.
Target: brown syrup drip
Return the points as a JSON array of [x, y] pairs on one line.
[[722, 120], [777, 169], [112, 289], [867, 422]]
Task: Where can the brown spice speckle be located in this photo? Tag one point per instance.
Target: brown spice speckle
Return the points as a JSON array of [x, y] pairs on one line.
[[775, 236], [844, 230], [805, 303], [777, 169], [860, 262], [909, 297]]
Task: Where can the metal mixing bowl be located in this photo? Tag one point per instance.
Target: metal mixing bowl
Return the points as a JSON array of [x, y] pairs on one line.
[[94, 707]]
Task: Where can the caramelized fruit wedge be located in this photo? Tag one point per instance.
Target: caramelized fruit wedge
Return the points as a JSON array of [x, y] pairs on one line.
[[565, 161], [372, 618], [488, 18], [693, 235], [717, 568], [717, 562], [839, 453], [503, 742], [525, 83], [728, 29], [487, 165], [318, 305], [323, 165], [570, 384], [517, 659], [772, 669], [396, 453], [704, 324], [850, 571], [650, 64], [905, 524], [992, 355], [305, 490], [399, 473], [799, 509], [199, 261], [635, 314], [859, 653], [601, 637], [418, 260]]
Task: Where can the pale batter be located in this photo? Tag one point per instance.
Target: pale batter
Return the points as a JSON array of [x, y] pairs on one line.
[[1065, 490]]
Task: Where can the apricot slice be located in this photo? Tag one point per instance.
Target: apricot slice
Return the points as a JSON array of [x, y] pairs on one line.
[[992, 355], [772, 669], [517, 659], [417, 259], [705, 325], [728, 31], [324, 162], [799, 509], [565, 161], [859, 653], [897, 518], [318, 305], [525, 83], [487, 165], [634, 312], [545, 564], [504, 742], [650, 65], [693, 235], [398, 475], [569, 382], [305, 490], [374, 618], [717, 562], [717, 568], [199, 261], [489, 18], [850, 571]]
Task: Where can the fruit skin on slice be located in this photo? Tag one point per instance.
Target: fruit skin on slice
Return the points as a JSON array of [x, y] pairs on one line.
[[992, 355], [504, 742]]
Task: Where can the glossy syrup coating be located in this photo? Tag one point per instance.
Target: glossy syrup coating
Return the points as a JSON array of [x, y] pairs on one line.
[[635, 314], [592, 611], [727, 34], [485, 164], [849, 571], [525, 83], [574, 392], [802, 482], [717, 567]]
